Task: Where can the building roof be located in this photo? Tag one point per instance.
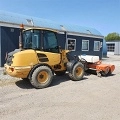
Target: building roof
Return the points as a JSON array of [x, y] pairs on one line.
[[17, 19]]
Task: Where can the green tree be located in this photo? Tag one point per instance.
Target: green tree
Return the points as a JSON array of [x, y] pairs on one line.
[[112, 36]]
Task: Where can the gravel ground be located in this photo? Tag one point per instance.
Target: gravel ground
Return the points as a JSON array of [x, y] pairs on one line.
[[92, 98]]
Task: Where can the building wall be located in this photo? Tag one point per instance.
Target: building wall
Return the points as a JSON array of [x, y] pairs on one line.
[[62, 42], [9, 41], [113, 47], [104, 48], [117, 48], [0, 46], [91, 45]]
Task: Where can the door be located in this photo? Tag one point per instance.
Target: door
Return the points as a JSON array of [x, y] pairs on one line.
[[50, 46]]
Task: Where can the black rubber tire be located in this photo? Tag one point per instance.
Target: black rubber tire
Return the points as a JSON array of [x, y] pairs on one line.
[[106, 73], [60, 73], [73, 75], [34, 79], [109, 73]]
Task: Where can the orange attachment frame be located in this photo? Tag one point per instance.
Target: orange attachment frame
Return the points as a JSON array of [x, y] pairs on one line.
[[99, 67]]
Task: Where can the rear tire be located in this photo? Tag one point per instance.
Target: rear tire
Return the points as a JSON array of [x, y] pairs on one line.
[[60, 73], [77, 72], [41, 77]]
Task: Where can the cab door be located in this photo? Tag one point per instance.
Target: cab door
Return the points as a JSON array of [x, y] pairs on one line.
[[50, 46]]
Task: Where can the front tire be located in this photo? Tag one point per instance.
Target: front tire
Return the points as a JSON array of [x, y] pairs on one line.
[[77, 72], [41, 77]]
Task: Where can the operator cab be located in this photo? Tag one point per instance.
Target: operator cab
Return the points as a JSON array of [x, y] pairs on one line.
[[38, 39]]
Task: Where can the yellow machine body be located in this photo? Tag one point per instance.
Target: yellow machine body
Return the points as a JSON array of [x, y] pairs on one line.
[[23, 61]]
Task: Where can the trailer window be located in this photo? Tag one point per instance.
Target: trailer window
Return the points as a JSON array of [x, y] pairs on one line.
[[71, 44], [97, 45], [85, 45]]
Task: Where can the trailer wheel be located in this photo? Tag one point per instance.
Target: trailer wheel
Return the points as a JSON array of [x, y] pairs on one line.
[[60, 73], [106, 72], [109, 73], [77, 72], [41, 77]]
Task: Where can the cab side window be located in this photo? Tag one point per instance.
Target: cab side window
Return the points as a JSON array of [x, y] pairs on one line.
[[50, 42]]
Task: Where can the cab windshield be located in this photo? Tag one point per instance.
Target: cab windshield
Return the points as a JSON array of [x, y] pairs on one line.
[[31, 39], [44, 40]]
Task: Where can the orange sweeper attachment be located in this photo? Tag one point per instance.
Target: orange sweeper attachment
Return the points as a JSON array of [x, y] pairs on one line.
[[93, 63], [101, 69]]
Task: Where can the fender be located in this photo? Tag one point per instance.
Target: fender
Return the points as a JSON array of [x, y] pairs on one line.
[[36, 66], [70, 65]]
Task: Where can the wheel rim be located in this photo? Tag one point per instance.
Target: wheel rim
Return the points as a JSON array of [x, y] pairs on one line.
[[42, 77], [79, 71]]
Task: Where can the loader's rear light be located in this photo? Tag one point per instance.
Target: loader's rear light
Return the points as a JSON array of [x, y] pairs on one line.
[[21, 26]]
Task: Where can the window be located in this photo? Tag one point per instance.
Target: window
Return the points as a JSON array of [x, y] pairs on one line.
[[31, 39], [85, 45], [35, 40], [50, 42], [111, 47], [97, 45], [71, 44]]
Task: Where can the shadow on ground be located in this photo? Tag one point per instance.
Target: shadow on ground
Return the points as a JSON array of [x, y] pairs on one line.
[[25, 84], [93, 72]]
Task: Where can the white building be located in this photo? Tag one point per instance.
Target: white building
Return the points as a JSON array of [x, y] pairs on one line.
[[113, 47]]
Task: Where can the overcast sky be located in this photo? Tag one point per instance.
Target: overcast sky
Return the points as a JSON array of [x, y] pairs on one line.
[[103, 15]]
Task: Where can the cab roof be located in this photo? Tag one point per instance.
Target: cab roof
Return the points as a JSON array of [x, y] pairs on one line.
[[40, 29]]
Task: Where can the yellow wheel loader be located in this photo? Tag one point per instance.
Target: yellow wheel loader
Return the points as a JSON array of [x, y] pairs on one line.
[[40, 57]]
